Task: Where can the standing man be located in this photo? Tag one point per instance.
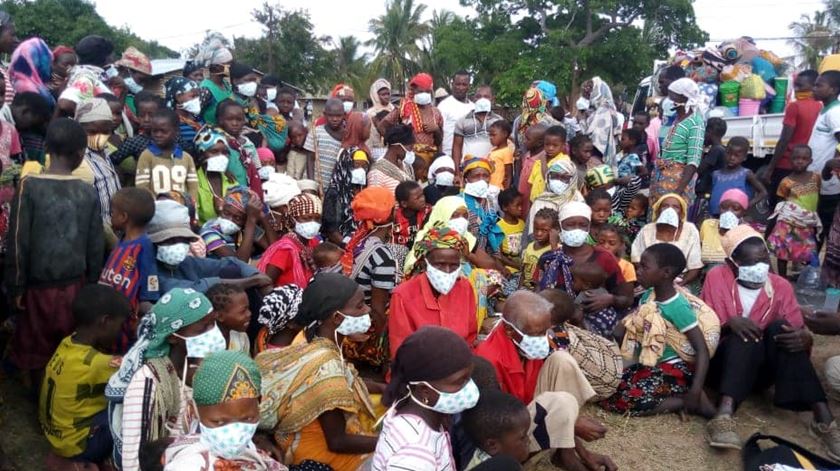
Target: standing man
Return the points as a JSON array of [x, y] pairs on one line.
[[455, 107], [823, 143], [470, 136]]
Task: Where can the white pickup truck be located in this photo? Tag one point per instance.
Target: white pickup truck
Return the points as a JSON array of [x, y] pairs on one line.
[[763, 131]]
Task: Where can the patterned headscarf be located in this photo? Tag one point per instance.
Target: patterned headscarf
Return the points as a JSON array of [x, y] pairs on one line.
[[371, 207], [439, 237], [280, 307], [207, 137], [176, 86], [304, 203], [564, 167], [135, 60], [599, 176], [226, 376], [441, 213], [549, 92], [471, 162], [31, 69], [238, 198]]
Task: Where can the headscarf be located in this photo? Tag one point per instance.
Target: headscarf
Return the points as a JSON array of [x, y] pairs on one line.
[[429, 354], [306, 184], [378, 107], [689, 89], [174, 310], [603, 125], [353, 130], [564, 167], [30, 69], [279, 307], [372, 207], [266, 156], [304, 203], [95, 109], [422, 80], [176, 86], [226, 376], [341, 90], [471, 162], [599, 176], [444, 161], [190, 66], [736, 195], [679, 198], [736, 236], [533, 109], [439, 217], [135, 60], [575, 209], [59, 50], [213, 52], [601, 94], [279, 190], [326, 294], [549, 92], [408, 109], [238, 198], [438, 237], [207, 137]]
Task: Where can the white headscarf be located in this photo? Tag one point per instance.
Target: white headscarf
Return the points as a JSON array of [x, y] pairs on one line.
[[575, 208], [279, 190], [378, 107], [444, 161], [689, 89]]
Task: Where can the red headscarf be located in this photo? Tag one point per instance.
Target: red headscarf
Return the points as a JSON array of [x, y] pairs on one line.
[[409, 109], [354, 131]]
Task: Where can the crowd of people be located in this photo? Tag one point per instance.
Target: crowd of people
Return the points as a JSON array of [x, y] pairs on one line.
[[198, 278]]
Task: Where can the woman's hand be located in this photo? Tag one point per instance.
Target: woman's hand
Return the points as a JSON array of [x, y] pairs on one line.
[[821, 322], [593, 302], [253, 210]]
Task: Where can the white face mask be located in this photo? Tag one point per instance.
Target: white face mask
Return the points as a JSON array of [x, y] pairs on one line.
[[228, 441], [534, 347], [558, 187], [757, 273], [173, 254], [201, 345], [574, 237], [482, 105], [445, 178], [266, 172], [133, 86], [409, 158], [669, 216], [307, 230], [354, 325], [247, 89], [424, 98], [478, 188], [450, 403], [227, 226], [111, 71], [459, 225], [358, 176], [348, 106], [192, 106], [271, 93], [441, 281], [217, 163], [728, 220]]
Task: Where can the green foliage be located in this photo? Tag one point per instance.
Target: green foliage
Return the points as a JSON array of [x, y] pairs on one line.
[[817, 35], [68, 21], [397, 36]]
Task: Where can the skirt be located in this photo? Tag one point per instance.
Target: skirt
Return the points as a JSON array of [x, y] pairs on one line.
[[666, 179], [792, 243], [831, 263], [643, 388]]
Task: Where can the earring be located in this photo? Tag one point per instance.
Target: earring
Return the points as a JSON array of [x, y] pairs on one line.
[[426, 401]]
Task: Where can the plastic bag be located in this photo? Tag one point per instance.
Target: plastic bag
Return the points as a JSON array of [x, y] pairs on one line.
[[753, 88], [764, 69], [736, 72]]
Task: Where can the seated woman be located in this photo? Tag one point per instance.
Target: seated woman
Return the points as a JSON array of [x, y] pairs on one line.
[[289, 260], [150, 393], [670, 226], [211, 161], [733, 205], [396, 166], [441, 177], [314, 403], [561, 189], [481, 203], [438, 295], [226, 390], [764, 342], [242, 228], [348, 177], [554, 269], [182, 95], [277, 317]]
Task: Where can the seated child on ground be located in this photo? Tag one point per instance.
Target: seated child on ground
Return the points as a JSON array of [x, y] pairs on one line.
[[590, 278], [498, 425], [513, 226], [611, 239], [233, 314], [75, 377], [327, 257]]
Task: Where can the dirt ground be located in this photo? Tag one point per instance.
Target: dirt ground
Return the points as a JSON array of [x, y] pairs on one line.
[[647, 444]]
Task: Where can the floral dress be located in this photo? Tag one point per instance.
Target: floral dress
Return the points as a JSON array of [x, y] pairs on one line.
[[794, 236]]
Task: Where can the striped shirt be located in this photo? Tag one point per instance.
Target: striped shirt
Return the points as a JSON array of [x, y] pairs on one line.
[[408, 443], [684, 142], [379, 269], [327, 155], [106, 181]]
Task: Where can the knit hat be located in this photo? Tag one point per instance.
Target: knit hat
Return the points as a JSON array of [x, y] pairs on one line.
[[135, 60], [226, 376], [441, 93], [735, 236], [176, 309], [599, 176], [375, 204], [575, 208], [171, 220], [92, 110]]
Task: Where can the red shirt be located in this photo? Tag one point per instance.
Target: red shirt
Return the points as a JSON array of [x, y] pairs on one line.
[[801, 116], [413, 305], [517, 377]]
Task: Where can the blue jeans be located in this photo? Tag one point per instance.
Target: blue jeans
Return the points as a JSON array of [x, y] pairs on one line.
[[99, 442]]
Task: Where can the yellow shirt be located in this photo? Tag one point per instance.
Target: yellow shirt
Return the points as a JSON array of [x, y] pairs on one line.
[[500, 157], [536, 178], [31, 167], [530, 257], [512, 243], [711, 250], [73, 392], [82, 172]]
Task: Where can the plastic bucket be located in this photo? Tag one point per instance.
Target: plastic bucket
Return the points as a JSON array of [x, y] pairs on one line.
[[781, 86], [777, 105], [733, 110], [729, 92], [747, 107]]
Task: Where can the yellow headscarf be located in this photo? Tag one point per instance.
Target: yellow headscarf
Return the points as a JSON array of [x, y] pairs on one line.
[[441, 214], [683, 204]]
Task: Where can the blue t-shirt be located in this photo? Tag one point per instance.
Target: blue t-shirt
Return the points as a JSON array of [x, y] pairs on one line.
[[131, 269]]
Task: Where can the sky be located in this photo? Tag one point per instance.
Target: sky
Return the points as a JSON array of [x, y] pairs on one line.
[[181, 24]]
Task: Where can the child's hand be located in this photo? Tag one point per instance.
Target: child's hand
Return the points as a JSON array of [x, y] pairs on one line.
[[254, 209], [833, 166], [116, 361], [19, 303]]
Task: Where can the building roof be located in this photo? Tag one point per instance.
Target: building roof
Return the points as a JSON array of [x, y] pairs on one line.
[[165, 66]]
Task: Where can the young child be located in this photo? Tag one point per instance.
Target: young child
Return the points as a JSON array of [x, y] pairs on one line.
[[164, 166], [629, 162], [502, 153], [534, 140], [31, 114], [116, 106], [513, 226], [76, 375], [793, 238], [327, 257], [611, 239], [590, 278], [663, 381], [554, 145], [296, 159], [497, 425], [230, 303], [411, 213], [601, 203], [580, 149], [546, 221], [636, 216], [244, 161], [713, 156], [734, 175], [44, 272], [733, 206]]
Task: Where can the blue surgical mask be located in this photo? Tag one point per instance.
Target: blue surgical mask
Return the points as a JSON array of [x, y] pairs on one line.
[[228, 441]]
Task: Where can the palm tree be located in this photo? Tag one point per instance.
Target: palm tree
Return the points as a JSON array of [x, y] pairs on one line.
[[813, 38], [430, 60], [397, 35], [350, 67]]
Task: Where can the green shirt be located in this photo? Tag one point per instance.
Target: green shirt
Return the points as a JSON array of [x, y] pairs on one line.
[[205, 209], [219, 94], [684, 143], [678, 312]]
